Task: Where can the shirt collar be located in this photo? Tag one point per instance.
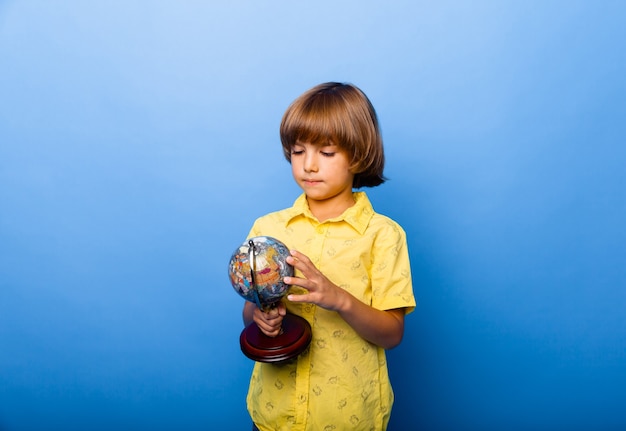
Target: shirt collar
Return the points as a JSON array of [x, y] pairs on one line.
[[358, 215]]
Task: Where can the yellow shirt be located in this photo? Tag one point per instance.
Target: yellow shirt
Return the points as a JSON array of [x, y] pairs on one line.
[[341, 381]]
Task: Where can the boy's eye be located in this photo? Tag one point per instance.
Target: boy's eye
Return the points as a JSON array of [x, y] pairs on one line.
[[327, 153], [296, 151]]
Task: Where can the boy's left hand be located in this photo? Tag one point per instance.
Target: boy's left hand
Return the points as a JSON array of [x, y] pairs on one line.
[[381, 327], [321, 291]]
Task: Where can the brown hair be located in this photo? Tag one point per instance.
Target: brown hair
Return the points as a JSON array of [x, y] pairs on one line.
[[340, 114]]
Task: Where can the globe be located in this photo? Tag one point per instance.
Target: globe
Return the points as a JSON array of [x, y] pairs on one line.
[[257, 268]]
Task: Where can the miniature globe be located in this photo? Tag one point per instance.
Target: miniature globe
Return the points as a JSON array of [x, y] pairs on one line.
[[257, 268]]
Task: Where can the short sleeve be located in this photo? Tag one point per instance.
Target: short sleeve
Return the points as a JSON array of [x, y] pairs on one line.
[[392, 285]]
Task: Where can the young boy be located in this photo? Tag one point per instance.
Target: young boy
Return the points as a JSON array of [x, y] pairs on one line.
[[353, 278]]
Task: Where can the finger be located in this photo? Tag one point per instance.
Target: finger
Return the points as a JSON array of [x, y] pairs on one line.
[[282, 309], [298, 260], [267, 318], [270, 331], [296, 281], [299, 256], [299, 298], [304, 265], [271, 328], [274, 320]]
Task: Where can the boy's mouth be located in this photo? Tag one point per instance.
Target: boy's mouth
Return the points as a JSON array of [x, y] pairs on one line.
[[311, 182]]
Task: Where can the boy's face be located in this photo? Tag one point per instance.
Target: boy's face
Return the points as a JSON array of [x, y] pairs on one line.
[[322, 171]]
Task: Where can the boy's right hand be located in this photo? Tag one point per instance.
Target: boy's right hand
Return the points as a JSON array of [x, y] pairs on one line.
[[270, 322]]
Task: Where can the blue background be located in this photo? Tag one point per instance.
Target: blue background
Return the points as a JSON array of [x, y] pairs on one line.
[[139, 141]]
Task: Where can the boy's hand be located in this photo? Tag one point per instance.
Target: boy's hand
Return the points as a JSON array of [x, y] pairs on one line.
[[321, 291], [381, 327], [270, 322]]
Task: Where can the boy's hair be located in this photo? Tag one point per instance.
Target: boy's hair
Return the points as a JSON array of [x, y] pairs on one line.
[[340, 114]]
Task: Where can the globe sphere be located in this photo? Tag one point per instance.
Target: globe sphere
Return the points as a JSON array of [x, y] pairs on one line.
[[261, 282]]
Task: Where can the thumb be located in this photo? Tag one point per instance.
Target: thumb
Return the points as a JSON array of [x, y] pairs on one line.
[[282, 309]]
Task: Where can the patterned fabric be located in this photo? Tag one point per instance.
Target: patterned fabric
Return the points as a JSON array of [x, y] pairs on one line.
[[341, 381]]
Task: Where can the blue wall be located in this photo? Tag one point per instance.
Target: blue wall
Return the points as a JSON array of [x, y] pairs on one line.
[[138, 142]]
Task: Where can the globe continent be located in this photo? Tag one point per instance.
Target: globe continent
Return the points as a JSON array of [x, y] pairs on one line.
[[270, 266]]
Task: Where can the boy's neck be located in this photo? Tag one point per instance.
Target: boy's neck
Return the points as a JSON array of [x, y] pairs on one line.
[[330, 208]]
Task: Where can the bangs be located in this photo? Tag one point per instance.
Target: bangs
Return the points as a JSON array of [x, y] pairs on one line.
[[318, 121]]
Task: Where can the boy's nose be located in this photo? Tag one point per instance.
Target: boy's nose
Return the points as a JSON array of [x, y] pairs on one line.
[[310, 163]]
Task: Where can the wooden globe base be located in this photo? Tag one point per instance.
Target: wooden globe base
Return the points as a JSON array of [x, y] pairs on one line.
[[294, 339]]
